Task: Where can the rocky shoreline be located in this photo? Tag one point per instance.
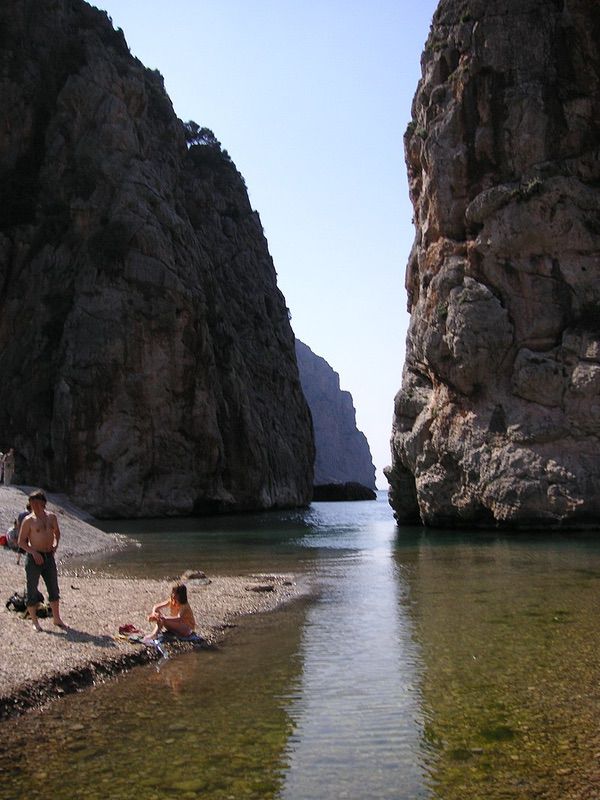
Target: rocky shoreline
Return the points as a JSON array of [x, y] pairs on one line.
[[36, 668]]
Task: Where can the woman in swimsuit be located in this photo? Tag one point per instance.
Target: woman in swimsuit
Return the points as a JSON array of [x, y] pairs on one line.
[[180, 617]]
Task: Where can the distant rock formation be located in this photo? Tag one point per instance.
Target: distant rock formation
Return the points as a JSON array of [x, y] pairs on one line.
[[147, 363], [342, 451], [498, 417]]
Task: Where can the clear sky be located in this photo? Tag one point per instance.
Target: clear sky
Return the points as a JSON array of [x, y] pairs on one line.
[[311, 99]]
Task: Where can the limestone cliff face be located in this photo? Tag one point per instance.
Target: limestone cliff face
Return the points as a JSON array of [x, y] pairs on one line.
[[147, 364], [498, 417], [342, 451]]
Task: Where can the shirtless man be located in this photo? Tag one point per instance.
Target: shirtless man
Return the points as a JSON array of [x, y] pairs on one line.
[[39, 537]]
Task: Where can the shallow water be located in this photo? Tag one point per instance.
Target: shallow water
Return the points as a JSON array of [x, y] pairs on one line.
[[430, 665]]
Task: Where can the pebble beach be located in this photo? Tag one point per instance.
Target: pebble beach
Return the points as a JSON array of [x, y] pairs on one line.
[[39, 667]]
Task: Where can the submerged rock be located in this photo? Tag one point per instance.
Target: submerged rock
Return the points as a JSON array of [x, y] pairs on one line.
[[498, 417], [146, 358], [342, 452]]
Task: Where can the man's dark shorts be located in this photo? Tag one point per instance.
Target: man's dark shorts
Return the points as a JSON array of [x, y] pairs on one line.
[[47, 571]]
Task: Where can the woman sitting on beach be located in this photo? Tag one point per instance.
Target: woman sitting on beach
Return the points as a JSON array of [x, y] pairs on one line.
[[180, 619]]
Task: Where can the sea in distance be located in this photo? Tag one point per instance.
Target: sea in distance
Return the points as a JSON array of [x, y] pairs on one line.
[[428, 664]]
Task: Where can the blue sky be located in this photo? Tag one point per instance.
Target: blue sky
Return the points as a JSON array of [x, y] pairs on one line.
[[311, 99]]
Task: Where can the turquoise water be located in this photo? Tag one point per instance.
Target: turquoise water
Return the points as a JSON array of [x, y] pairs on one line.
[[429, 665]]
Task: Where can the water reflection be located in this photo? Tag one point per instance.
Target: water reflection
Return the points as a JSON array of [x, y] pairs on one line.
[[507, 629], [357, 719], [225, 545], [245, 543]]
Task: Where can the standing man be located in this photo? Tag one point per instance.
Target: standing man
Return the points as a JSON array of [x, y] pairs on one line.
[[39, 537], [9, 466]]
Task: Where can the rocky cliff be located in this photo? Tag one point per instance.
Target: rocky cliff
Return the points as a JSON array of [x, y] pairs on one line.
[[498, 417], [146, 359], [342, 451]]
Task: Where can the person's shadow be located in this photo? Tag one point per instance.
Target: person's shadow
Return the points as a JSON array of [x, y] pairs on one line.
[[74, 635]]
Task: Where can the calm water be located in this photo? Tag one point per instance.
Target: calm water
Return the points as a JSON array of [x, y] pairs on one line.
[[429, 666]]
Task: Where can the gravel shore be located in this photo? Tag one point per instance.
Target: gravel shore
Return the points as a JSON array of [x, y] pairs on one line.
[[38, 667]]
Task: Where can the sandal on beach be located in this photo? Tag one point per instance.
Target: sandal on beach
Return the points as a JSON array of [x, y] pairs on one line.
[[129, 628], [132, 638]]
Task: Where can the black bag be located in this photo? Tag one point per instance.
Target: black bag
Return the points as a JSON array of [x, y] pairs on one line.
[[17, 602]]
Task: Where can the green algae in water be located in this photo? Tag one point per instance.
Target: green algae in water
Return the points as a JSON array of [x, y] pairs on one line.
[[460, 754], [511, 699], [498, 733]]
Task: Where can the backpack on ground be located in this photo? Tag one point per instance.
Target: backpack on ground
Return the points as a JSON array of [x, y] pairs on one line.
[[17, 602], [12, 538]]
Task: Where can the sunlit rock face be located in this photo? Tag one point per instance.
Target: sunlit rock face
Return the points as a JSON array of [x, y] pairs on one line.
[[342, 451], [498, 417], [147, 363]]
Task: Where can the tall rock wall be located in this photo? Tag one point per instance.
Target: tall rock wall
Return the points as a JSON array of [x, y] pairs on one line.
[[147, 364], [498, 417], [342, 451]]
